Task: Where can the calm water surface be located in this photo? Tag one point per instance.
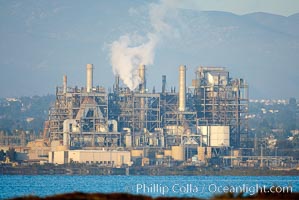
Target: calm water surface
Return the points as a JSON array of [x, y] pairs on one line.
[[197, 186]]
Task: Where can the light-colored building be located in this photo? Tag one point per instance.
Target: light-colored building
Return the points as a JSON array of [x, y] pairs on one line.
[[215, 136], [38, 150], [103, 157]]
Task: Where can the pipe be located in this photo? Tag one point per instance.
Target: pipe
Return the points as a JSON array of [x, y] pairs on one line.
[[89, 77], [64, 84], [182, 88]]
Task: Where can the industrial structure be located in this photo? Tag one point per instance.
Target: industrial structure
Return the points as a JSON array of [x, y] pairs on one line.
[[207, 118]]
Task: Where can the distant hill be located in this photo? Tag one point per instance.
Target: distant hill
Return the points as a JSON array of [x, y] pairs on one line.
[[260, 47], [42, 41], [26, 113]]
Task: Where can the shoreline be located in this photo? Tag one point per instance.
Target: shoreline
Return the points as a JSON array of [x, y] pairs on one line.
[[48, 169]]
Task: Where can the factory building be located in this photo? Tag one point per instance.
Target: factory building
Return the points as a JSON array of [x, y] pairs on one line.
[[101, 157], [206, 118]]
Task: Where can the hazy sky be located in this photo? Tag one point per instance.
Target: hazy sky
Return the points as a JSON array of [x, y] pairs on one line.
[[280, 7], [41, 40]]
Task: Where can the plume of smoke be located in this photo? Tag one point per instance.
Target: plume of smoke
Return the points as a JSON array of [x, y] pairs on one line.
[[131, 50]]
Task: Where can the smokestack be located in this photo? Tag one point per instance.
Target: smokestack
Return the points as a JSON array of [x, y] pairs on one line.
[[64, 84], [89, 77], [182, 88], [142, 85], [163, 84], [116, 83], [142, 90]]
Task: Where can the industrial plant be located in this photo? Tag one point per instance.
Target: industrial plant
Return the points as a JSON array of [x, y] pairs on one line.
[[203, 120]]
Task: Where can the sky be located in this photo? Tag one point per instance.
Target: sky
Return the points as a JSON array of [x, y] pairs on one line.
[[40, 41]]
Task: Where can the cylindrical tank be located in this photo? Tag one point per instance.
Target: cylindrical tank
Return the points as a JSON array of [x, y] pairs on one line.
[[178, 153], [128, 140], [89, 77], [182, 88], [128, 137]]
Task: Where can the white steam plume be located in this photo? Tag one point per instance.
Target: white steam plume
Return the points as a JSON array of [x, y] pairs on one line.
[[131, 50]]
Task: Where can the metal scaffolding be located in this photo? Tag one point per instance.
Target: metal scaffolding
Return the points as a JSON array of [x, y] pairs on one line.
[[171, 117]]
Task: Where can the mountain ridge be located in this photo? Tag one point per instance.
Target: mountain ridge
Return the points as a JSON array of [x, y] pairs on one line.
[[42, 42]]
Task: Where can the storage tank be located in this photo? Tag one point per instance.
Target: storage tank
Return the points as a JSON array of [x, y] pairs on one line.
[[128, 137], [215, 136], [178, 153]]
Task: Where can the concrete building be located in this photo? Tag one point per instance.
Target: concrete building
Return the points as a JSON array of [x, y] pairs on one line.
[[106, 158]]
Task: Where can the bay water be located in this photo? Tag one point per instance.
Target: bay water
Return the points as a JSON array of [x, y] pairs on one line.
[[179, 186]]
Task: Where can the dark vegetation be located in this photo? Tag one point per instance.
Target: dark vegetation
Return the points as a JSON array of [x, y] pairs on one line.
[[16, 114], [10, 154], [124, 196]]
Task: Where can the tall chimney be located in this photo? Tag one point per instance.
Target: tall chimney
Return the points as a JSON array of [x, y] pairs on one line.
[[163, 84], [116, 83], [64, 84], [142, 87], [89, 77], [182, 88], [142, 78]]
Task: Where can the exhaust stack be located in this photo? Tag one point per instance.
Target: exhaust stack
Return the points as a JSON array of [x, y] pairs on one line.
[[142, 88], [142, 85], [64, 84], [116, 83], [89, 77], [163, 84], [182, 88]]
